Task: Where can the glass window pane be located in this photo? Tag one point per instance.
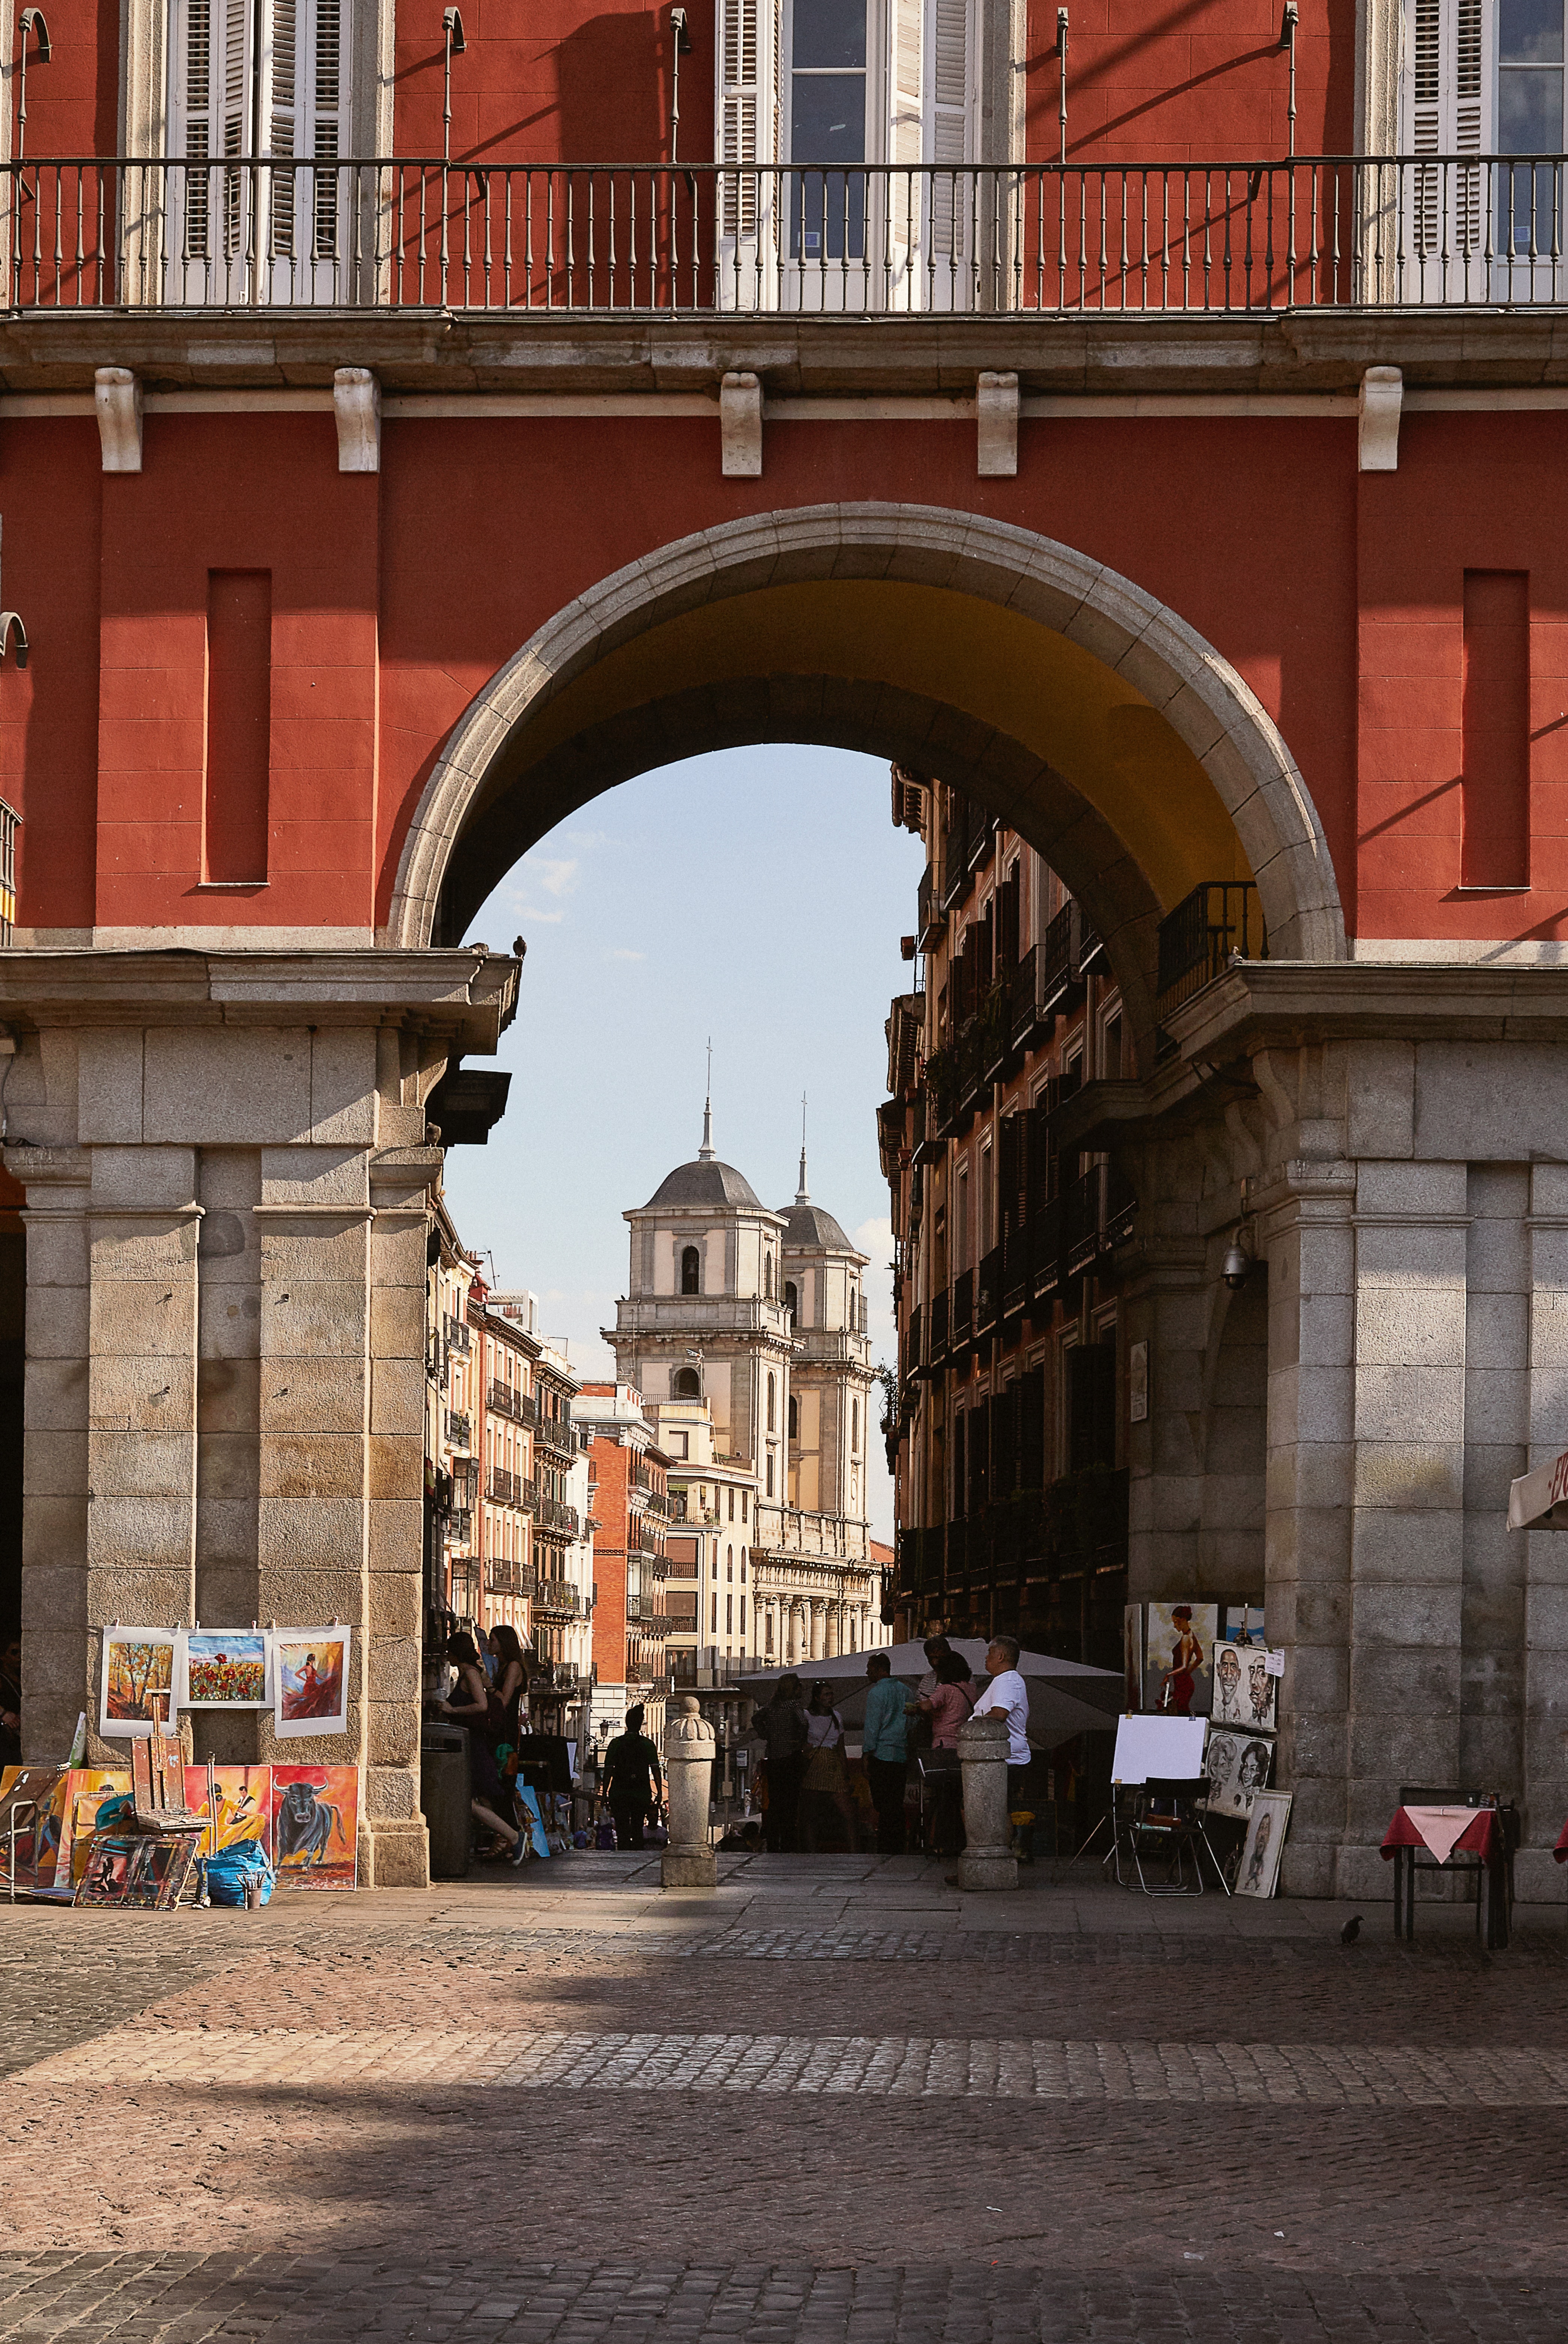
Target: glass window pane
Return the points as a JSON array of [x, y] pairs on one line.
[[827, 118], [832, 32], [1530, 112], [1530, 32]]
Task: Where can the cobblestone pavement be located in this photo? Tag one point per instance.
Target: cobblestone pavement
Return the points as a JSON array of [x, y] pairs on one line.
[[836, 2105]]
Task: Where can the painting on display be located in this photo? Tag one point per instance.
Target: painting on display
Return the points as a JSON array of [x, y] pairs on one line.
[[1132, 1655], [25, 1794], [314, 1815], [1231, 1704], [85, 1803], [1179, 1675], [1237, 1765], [312, 1679], [244, 1804], [1259, 1867], [1261, 1687], [1244, 1623], [138, 1668], [148, 1874], [223, 1668]]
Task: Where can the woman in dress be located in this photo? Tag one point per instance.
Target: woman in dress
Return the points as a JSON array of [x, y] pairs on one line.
[[469, 1705], [1186, 1660]]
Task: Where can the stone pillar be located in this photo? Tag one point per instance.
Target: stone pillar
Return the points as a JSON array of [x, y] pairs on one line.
[[689, 1861], [1305, 1227], [830, 1641], [1167, 1307], [988, 1861], [1542, 1648]]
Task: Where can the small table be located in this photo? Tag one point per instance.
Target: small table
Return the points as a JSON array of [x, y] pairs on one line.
[[1485, 1837]]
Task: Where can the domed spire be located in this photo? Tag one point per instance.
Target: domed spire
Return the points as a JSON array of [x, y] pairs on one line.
[[705, 1153]]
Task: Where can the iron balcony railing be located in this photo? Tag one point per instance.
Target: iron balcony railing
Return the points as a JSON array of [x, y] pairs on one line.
[[1197, 940], [280, 232], [460, 1428], [558, 1597], [558, 1434]]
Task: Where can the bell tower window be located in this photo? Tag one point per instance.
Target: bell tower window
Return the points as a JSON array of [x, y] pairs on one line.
[[691, 1270]]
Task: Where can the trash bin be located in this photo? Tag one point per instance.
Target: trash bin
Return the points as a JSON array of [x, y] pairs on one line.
[[444, 1796]]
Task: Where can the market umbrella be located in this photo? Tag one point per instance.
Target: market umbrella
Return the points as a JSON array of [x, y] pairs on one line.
[[1539, 1499], [1065, 1697]]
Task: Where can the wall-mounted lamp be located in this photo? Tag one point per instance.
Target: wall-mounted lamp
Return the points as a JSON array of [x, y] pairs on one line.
[[11, 624], [29, 25], [1062, 82], [681, 33], [1287, 23], [452, 28]]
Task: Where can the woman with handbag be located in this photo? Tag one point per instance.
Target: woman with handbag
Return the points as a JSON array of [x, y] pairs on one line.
[[948, 1703], [826, 1784], [469, 1705]]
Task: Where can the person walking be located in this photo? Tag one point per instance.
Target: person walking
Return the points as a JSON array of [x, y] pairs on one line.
[[825, 1783], [632, 1780], [782, 1726], [1007, 1697], [886, 1748]]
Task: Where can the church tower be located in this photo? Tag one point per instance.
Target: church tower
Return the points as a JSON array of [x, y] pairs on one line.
[[830, 1392]]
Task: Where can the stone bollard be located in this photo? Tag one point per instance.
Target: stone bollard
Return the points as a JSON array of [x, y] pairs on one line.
[[988, 1861], [689, 1861]]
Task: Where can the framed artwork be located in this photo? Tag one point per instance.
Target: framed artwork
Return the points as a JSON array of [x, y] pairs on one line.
[[1244, 1623], [1260, 1866], [533, 1817], [138, 1665], [314, 1816], [148, 1874], [1229, 1700], [244, 1804], [1132, 1655], [1237, 1765], [1137, 1383], [26, 1799], [1179, 1674], [223, 1668], [312, 1680], [1261, 1686], [84, 1795]]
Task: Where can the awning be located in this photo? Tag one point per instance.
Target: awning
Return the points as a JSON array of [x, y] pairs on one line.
[[1539, 1500]]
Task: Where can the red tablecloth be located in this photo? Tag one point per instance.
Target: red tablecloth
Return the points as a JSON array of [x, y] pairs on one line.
[[1475, 1839], [1560, 1850]]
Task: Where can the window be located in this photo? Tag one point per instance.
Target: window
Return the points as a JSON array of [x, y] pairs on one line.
[[743, 1566], [728, 1563], [688, 1384], [680, 1444], [770, 1473], [732, 1501], [744, 1495], [743, 1615], [716, 1627], [729, 1615], [259, 78], [768, 1629], [826, 97], [768, 1276], [691, 1270], [772, 1405], [793, 1417], [1529, 116], [854, 1426], [791, 1298]]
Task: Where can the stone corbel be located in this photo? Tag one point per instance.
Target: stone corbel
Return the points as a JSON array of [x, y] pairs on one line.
[[741, 426], [997, 416], [118, 396], [356, 405], [1377, 428]]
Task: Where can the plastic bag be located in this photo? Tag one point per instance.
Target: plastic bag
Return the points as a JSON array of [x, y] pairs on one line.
[[231, 1868]]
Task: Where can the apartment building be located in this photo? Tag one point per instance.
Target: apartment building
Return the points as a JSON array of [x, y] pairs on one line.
[[630, 1503]]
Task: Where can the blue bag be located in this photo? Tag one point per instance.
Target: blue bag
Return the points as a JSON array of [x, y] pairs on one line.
[[228, 1871]]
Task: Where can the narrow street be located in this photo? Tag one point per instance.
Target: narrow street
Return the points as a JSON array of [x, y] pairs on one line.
[[837, 2101]]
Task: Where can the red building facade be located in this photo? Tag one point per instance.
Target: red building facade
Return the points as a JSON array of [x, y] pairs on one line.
[[1028, 413]]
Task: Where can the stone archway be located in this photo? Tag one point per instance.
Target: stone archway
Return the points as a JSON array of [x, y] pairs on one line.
[[948, 641]]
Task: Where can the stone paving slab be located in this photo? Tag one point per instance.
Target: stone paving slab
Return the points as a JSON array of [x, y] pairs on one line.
[[1405, 2075]]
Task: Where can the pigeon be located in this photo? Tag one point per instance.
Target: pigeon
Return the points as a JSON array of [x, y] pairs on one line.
[[1351, 1930]]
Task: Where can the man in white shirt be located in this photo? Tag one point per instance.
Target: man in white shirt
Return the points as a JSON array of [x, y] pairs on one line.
[[1008, 1695]]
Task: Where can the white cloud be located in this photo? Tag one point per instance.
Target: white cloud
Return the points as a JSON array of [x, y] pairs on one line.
[[624, 954], [876, 1238], [556, 874]]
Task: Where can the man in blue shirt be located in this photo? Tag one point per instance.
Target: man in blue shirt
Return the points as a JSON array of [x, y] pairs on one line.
[[887, 1752]]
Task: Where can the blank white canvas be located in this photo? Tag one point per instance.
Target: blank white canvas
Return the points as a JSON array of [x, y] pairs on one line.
[[1169, 1748]]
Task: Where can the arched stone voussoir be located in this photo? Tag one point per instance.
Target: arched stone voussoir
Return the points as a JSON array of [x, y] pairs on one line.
[[1207, 704]]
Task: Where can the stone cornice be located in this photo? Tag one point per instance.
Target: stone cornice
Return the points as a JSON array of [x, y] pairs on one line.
[[1293, 1002], [1294, 351], [466, 996]]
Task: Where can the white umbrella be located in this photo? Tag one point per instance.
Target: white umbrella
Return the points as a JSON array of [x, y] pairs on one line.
[[1065, 1697], [1540, 1498]]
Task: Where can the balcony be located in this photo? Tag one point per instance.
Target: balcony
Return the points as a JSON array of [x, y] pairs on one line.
[[460, 1527], [506, 1578], [558, 1435], [1197, 940], [1044, 1231], [642, 1669], [1219, 239], [988, 1291], [936, 1341], [459, 1428], [1015, 1270], [508, 1399], [1097, 1215], [930, 920], [963, 1321], [912, 1345], [552, 1517], [504, 1488], [557, 1598], [459, 1336], [706, 1669]]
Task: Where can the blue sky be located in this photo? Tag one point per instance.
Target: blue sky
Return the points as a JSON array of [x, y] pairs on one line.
[[757, 895]]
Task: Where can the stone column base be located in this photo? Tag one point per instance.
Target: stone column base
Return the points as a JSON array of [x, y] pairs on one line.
[[689, 1867], [988, 1867], [394, 1853]]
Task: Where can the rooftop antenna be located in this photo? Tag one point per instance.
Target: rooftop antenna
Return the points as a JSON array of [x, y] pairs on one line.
[[705, 1153], [801, 1195]]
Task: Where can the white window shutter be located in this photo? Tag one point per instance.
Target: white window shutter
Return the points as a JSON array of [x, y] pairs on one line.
[[905, 143], [1447, 116], [747, 130], [949, 119], [301, 46]]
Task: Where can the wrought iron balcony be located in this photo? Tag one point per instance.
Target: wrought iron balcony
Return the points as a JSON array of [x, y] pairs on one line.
[[460, 1428], [557, 1598], [504, 1488], [502, 1577], [556, 1434], [1197, 940], [1224, 238]]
